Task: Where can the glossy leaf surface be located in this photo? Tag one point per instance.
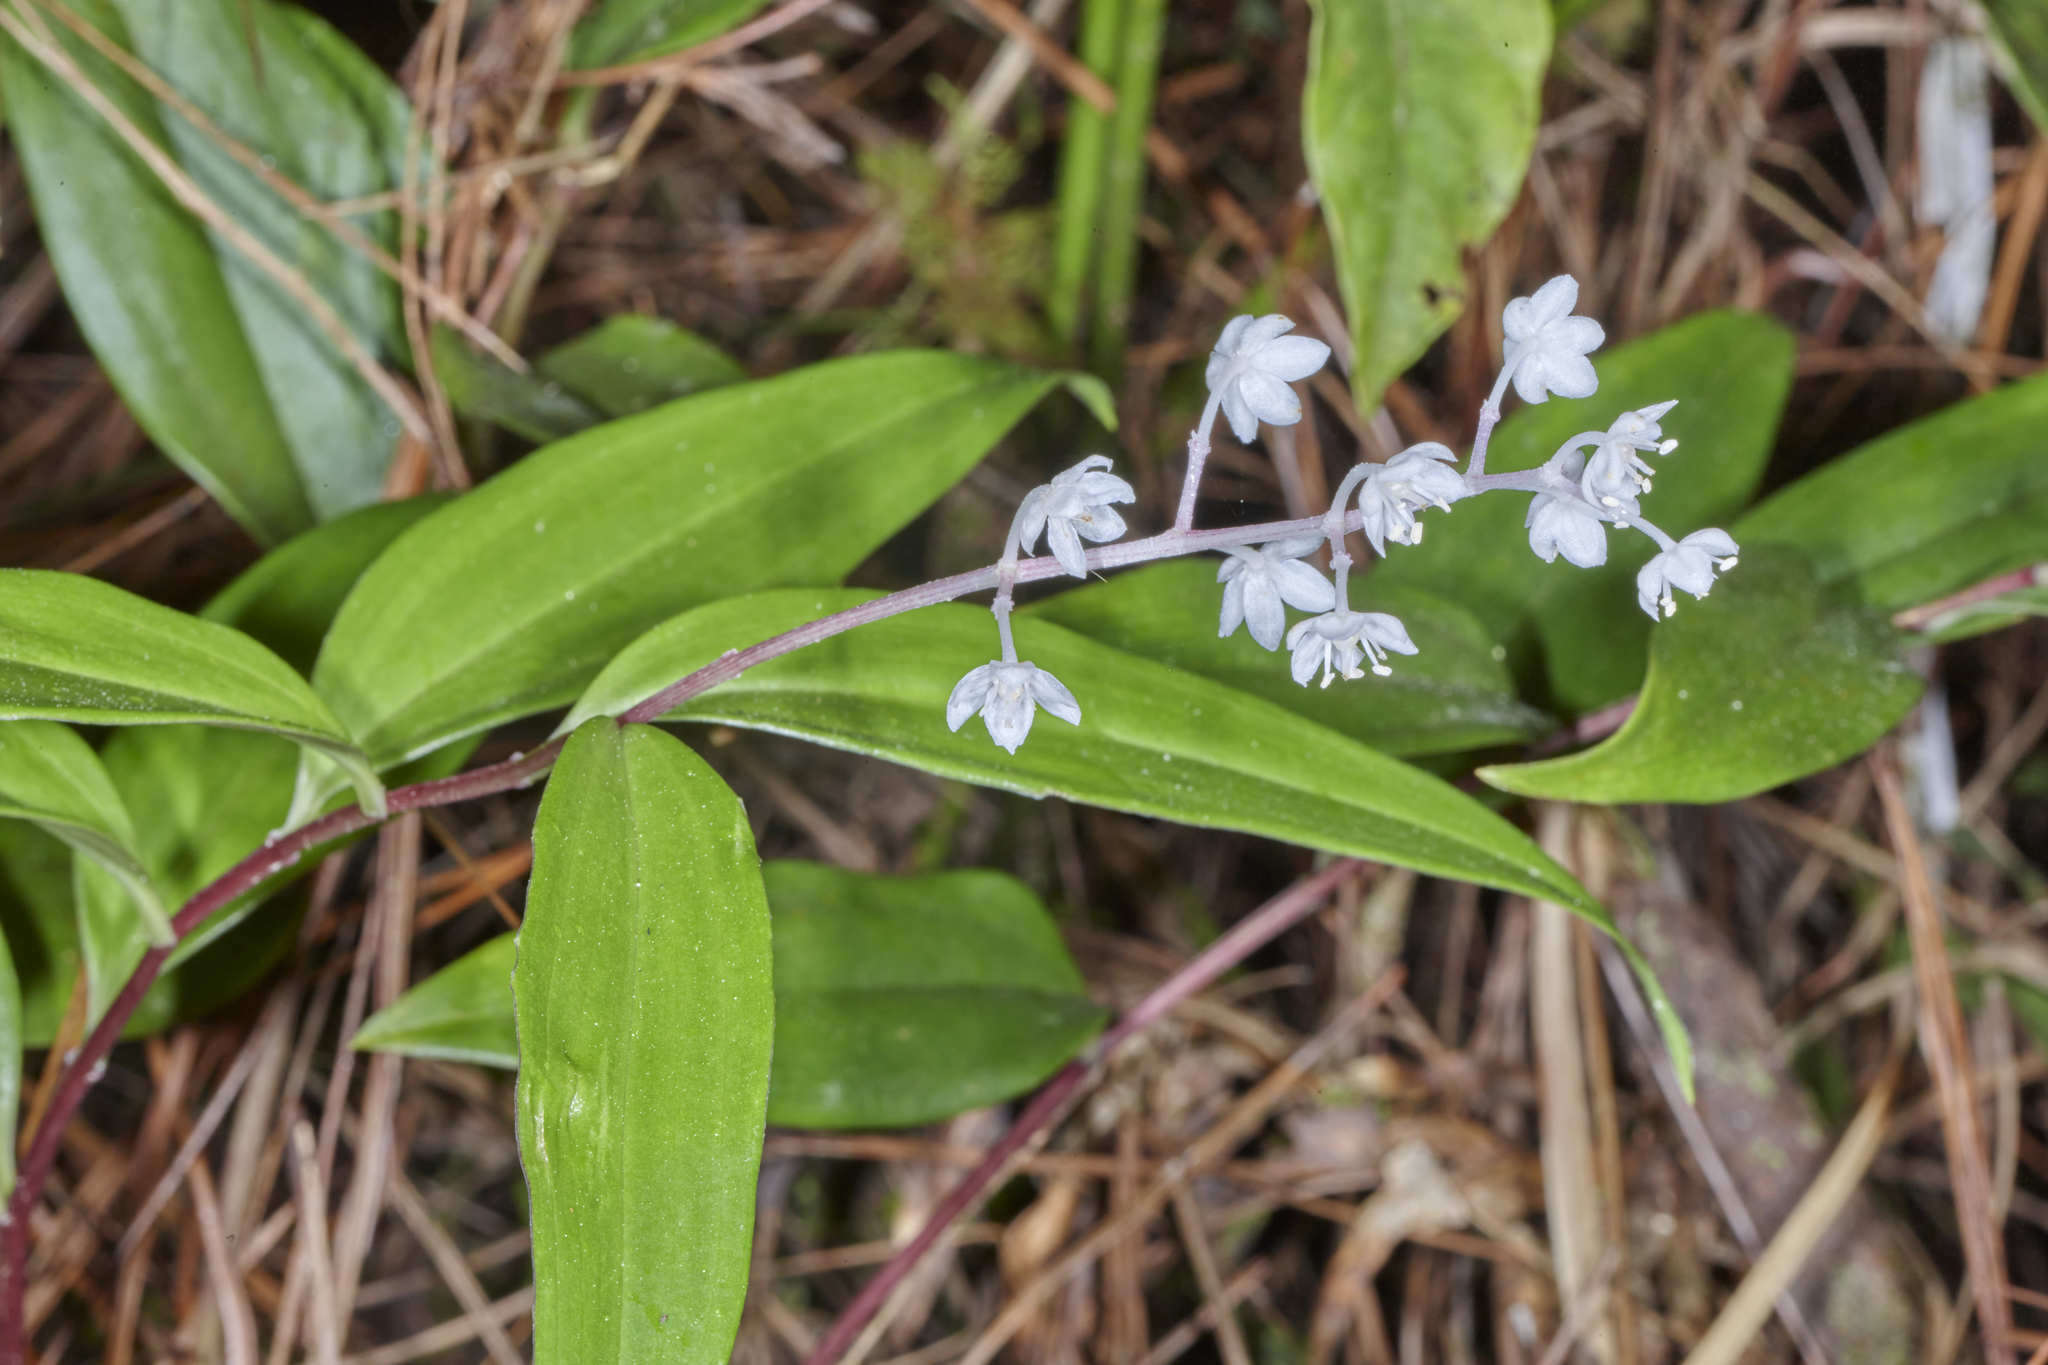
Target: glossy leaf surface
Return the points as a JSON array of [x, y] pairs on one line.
[[903, 1000], [645, 1015], [1580, 630], [1453, 695], [898, 1000], [52, 778], [227, 374], [1153, 740], [1417, 122], [288, 598], [1925, 510], [508, 601], [76, 649], [1767, 679]]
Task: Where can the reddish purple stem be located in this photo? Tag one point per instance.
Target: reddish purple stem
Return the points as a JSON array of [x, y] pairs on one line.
[[1246, 937]]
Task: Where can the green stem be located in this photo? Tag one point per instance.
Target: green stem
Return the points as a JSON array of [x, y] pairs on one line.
[[1123, 193], [1081, 167]]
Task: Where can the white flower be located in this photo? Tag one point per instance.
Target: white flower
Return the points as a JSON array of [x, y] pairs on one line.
[[1690, 564], [1391, 494], [1074, 506], [1616, 475], [1335, 641], [1251, 367], [1546, 347], [1565, 526], [1256, 582], [1005, 693]]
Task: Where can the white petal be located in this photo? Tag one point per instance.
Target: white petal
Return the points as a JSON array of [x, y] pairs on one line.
[[1650, 587], [1227, 345], [1529, 379], [1008, 719], [1308, 656], [1294, 547], [1387, 632], [1231, 567], [968, 695], [1263, 614], [1101, 522], [1053, 695], [1096, 488], [1032, 517], [1374, 511], [1583, 540], [1714, 541], [1261, 334], [1292, 358], [1243, 425], [1689, 568], [1065, 545], [1578, 335], [1269, 399], [1572, 376], [1232, 615], [1558, 296], [1302, 587]]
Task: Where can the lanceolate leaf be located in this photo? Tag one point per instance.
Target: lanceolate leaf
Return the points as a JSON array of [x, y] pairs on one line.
[[632, 362], [228, 375], [508, 601], [1580, 629], [1152, 740], [1417, 121], [49, 776], [76, 649], [1769, 678], [898, 1000], [288, 598], [1930, 508], [645, 1013], [1453, 695], [616, 31], [903, 1000], [2020, 29]]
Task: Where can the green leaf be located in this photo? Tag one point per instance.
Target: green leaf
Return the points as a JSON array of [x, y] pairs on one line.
[[898, 1000], [75, 649], [1993, 613], [288, 598], [39, 924], [2019, 29], [1925, 510], [1153, 740], [632, 362], [903, 1000], [622, 366], [1767, 679], [462, 1013], [11, 1047], [1580, 629], [645, 1012], [212, 797], [619, 31], [227, 374], [51, 777], [1417, 121], [508, 601], [480, 386], [1454, 695]]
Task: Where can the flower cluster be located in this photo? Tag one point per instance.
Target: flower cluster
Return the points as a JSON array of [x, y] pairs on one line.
[[1575, 497]]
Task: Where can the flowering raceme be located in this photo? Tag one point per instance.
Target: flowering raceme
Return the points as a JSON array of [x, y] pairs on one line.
[[1575, 498]]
